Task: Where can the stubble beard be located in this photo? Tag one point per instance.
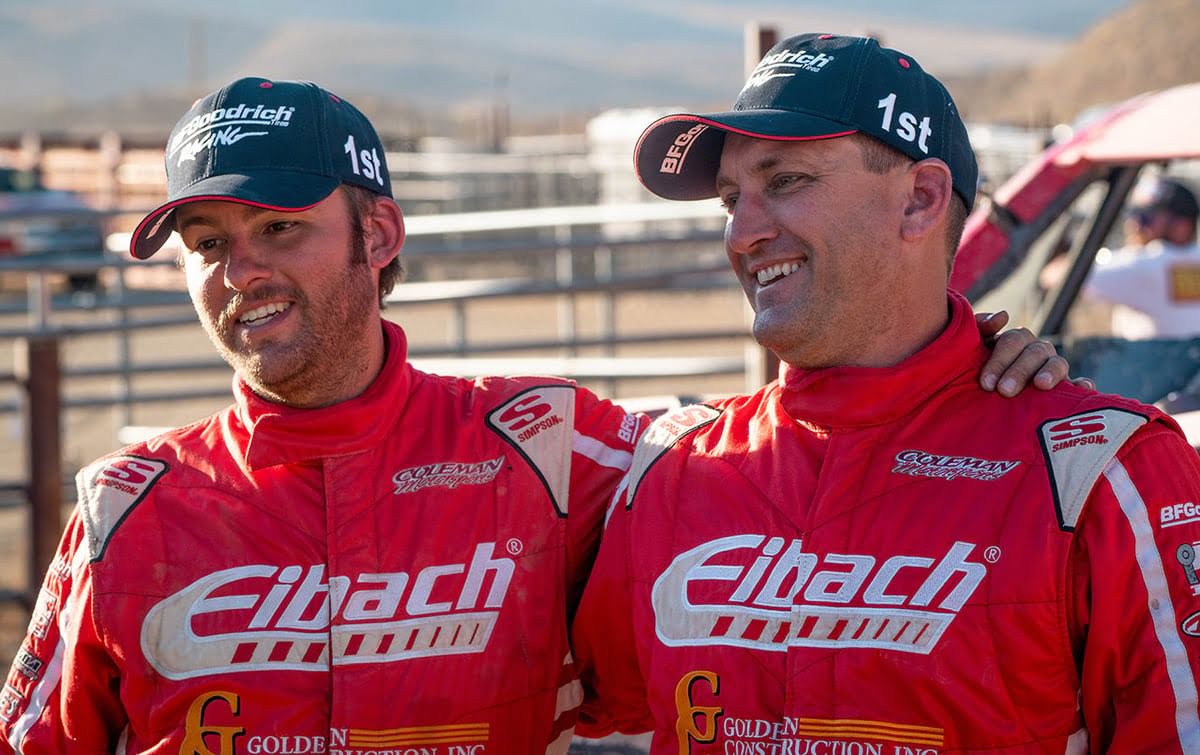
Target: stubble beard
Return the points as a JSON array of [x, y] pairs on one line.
[[320, 359]]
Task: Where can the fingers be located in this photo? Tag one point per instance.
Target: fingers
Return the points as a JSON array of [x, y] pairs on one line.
[[1085, 383], [1053, 372], [990, 323], [1019, 359]]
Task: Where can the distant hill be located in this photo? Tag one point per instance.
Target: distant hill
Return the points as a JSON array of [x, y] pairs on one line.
[[82, 67], [1152, 44]]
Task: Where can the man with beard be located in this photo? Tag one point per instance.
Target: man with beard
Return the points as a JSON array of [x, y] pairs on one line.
[[355, 556], [872, 554]]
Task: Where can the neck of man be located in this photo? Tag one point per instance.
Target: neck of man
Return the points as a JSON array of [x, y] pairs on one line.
[[914, 325]]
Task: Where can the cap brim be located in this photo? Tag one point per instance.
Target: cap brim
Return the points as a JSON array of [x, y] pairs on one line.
[[271, 190], [677, 156]]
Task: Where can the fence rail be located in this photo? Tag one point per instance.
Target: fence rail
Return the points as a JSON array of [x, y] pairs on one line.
[[557, 254]]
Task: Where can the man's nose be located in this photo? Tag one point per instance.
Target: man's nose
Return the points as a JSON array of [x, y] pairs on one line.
[[247, 262], [749, 225]]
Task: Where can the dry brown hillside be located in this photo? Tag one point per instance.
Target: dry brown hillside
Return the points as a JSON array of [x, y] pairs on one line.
[[1150, 44]]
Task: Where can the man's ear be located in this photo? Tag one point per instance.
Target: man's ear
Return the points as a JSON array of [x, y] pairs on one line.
[[929, 190], [385, 232]]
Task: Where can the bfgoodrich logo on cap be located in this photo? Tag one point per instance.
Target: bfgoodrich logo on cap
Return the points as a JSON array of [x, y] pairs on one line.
[[223, 127], [282, 145], [786, 63], [815, 86]]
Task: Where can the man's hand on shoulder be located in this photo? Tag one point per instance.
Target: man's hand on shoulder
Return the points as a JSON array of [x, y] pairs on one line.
[[1018, 359]]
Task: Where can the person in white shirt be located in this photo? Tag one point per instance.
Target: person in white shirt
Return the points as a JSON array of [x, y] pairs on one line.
[[1153, 283]]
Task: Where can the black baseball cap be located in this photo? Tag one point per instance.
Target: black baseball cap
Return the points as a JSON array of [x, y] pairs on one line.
[[1164, 194], [282, 145], [814, 86]]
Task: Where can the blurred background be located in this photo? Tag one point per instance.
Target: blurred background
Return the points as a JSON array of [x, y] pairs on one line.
[[510, 129]]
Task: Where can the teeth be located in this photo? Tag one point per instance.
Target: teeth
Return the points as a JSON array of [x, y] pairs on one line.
[[265, 310], [769, 274]]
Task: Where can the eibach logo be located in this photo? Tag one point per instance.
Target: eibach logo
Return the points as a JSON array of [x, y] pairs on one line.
[[1078, 431], [197, 729], [696, 723], [294, 618]]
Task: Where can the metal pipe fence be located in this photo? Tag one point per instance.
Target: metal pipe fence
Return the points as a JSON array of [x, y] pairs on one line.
[[555, 254]]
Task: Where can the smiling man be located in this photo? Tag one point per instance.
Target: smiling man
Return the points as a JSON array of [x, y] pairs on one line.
[[873, 555], [354, 557]]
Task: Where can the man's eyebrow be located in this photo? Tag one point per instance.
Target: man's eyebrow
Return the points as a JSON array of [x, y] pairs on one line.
[[191, 220], [183, 224], [765, 164]]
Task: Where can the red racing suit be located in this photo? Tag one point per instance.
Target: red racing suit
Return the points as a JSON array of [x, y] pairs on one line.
[[391, 574], [892, 561]]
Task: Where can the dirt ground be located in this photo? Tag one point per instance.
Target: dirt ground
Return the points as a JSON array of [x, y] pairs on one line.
[[88, 433]]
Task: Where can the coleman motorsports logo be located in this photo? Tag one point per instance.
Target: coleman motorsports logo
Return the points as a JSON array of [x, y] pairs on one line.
[[447, 474], [940, 466]]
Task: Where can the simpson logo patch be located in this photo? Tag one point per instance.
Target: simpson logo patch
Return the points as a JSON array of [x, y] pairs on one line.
[[922, 464], [1085, 430], [108, 491], [1076, 450], [540, 424], [663, 433]]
